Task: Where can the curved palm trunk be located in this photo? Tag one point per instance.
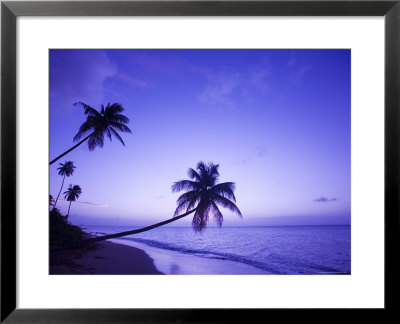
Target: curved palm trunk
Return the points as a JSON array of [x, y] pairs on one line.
[[136, 231], [69, 208], [72, 148], [62, 185]]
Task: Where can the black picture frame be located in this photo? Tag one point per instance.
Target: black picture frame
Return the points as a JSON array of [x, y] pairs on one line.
[[10, 10]]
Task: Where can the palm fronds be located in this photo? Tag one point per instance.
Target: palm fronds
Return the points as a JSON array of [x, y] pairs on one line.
[[204, 194], [108, 121], [66, 169], [72, 193]]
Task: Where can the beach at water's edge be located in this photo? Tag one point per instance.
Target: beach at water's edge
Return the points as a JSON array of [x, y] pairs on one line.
[[103, 258]]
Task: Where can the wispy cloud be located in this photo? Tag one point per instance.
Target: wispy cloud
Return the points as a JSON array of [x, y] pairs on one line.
[[297, 70], [298, 74], [78, 76], [223, 87], [262, 151], [220, 88], [324, 200], [150, 62], [86, 203], [160, 197], [226, 86], [292, 59], [259, 153], [259, 76], [242, 162], [133, 82], [280, 183]]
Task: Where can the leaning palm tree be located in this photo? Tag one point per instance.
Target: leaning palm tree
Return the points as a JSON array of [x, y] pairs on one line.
[[65, 170], [72, 194], [202, 197], [108, 121]]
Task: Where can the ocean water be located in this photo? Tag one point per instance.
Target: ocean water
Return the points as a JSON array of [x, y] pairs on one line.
[[300, 250]]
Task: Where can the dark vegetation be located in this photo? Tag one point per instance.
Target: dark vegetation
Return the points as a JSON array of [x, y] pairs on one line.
[[62, 233]]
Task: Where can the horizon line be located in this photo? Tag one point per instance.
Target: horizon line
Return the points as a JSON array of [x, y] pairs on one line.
[[223, 226]]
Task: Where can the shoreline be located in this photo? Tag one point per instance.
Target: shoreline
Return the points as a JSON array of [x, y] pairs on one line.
[[176, 263], [104, 258]]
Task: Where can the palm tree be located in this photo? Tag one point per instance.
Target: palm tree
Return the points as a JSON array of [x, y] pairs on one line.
[[65, 170], [204, 193], [51, 201], [108, 121], [72, 194], [202, 197]]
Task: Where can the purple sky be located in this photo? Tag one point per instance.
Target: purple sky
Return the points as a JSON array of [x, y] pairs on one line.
[[277, 122]]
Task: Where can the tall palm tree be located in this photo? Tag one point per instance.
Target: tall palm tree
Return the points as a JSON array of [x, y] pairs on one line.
[[202, 197], [65, 170], [72, 194], [108, 121]]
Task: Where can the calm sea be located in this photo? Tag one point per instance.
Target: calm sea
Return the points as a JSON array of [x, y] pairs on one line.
[[244, 250]]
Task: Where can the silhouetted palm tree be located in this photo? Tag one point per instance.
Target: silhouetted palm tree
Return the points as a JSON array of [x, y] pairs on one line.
[[51, 201], [202, 198], [106, 122], [204, 193], [72, 194], [65, 170]]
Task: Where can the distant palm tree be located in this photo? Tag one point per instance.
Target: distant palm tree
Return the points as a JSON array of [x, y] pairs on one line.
[[51, 201], [202, 198], [106, 122], [65, 170], [72, 194]]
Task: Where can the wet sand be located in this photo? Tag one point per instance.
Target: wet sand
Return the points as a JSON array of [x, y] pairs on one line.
[[176, 263], [105, 258]]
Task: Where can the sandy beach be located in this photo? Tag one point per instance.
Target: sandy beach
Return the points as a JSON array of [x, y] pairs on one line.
[[102, 258]]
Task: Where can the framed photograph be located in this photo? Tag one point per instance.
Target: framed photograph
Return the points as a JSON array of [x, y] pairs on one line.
[[199, 161]]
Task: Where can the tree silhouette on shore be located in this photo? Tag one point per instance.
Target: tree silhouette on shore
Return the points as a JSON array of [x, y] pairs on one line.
[[202, 197], [108, 121], [65, 170], [72, 194], [51, 201]]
